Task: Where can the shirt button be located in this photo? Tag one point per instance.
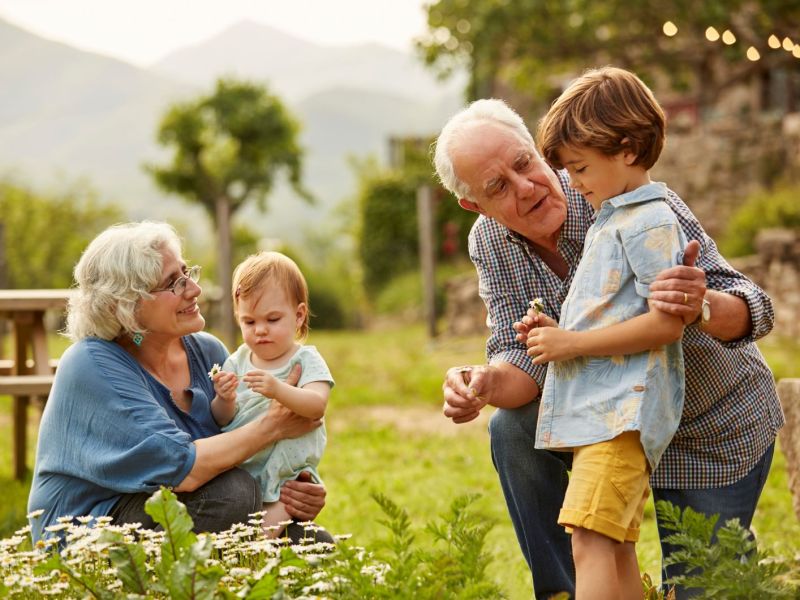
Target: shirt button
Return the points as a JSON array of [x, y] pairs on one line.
[[638, 388]]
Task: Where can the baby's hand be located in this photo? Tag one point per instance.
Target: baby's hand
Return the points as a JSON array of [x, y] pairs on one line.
[[225, 384], [262, 382]]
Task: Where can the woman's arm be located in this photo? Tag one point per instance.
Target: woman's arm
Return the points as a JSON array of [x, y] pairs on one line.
[[218, 453]]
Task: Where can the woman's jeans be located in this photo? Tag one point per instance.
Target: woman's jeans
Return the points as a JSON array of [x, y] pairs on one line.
[[534, 482], [227, 499]]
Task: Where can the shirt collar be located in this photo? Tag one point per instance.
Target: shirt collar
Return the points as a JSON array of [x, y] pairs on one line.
[[644, 193]]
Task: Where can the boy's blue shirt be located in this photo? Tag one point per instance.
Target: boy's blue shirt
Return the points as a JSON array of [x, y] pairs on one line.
[[588, 400], [110, 428]]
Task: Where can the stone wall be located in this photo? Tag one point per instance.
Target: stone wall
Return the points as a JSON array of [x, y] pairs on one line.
[[776, 268], [714, 166]]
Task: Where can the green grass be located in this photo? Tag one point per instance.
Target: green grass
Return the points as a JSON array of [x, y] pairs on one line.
[[386, 434]]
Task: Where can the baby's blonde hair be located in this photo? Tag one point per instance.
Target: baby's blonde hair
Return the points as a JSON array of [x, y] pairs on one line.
[[259, 270]]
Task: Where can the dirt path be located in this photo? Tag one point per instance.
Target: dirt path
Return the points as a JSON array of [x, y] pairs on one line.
[[414, 419]]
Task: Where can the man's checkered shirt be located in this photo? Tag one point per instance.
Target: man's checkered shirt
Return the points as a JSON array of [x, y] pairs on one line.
[[731, 412]]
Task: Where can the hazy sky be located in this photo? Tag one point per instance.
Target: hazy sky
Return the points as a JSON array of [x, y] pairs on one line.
[[142, 31]]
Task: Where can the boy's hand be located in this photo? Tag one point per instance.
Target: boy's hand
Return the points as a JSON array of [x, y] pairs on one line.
[[262, 382], [530, 321], [225, 384], [548, 344]]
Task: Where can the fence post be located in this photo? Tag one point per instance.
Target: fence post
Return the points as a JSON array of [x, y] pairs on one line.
[[789, 393], [427, 255]]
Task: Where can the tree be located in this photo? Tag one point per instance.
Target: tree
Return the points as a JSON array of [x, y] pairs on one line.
[[525, 46], [45, 234], [229, 148]]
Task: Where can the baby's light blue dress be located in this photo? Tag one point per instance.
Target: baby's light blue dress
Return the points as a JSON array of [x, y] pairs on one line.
[[284, 460]]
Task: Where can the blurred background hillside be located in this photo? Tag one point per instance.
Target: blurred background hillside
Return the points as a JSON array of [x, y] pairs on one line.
[[81, 118]]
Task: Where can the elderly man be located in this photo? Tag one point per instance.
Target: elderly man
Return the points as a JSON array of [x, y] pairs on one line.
[[525, 244]]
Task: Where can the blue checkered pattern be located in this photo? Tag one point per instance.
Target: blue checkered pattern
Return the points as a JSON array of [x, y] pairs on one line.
[[731, 412]]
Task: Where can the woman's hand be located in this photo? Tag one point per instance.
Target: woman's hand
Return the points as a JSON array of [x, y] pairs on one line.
[[287, 424], [304, 500]]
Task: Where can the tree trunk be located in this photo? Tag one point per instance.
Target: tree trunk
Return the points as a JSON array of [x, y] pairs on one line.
[[227, 324]]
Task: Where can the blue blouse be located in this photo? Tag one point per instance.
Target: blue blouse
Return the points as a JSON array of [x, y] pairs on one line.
[[110, 428]]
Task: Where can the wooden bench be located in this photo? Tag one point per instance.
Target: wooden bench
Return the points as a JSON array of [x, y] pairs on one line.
[[7, 366], [23, 388]]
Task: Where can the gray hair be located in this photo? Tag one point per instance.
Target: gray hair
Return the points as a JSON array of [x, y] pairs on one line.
[[481, 111], [117, 269]]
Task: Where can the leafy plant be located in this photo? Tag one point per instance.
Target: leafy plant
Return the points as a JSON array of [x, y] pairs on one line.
[[772, 208], [105, 561], [730, 566]]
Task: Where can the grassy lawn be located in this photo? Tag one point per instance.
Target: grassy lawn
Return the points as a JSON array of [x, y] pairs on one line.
[[386, 434]]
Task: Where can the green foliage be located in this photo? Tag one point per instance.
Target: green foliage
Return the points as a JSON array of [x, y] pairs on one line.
[[46, 234], [388, 240], [403, 294], [772, 208], [107, 562], [454, 566], [730, 566], [231, 143], [524, 45]]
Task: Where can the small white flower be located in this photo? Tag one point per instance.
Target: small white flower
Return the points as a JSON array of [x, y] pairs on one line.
[[35, 514], [215, 368], [537, 304]]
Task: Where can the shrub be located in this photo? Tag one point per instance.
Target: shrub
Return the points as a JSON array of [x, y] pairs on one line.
[[730, 567], [775, 208]]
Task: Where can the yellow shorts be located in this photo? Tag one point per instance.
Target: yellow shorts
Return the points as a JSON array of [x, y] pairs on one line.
[[608, 488]]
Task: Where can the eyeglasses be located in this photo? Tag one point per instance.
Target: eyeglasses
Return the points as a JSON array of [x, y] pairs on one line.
[[179, 285]]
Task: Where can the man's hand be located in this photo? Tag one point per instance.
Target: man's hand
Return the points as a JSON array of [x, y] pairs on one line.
[[304, 500], [680, 290], [466, 391], [549, 344]]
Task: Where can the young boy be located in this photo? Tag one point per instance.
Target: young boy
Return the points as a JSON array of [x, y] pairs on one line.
[[614, 387]]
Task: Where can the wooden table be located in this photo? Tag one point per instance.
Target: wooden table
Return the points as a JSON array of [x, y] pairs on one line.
[[29, 373]]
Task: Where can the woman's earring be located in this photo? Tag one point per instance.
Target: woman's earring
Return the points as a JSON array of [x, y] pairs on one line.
[[137, 338]]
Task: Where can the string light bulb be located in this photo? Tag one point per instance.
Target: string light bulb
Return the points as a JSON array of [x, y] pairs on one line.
[[788, 44], [753, 54], [670, 29], [728, 37], [712, 35], [796, 51], [774, 42]]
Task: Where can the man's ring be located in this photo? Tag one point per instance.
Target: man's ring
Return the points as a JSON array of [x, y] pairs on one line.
[[685, 298], [465, 369]]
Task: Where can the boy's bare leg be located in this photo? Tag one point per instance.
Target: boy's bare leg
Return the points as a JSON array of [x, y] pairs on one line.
[[630, 579], [275, 517], [595, 566]]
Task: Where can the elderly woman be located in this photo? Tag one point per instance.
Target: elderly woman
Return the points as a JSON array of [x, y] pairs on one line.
[[129, 409]]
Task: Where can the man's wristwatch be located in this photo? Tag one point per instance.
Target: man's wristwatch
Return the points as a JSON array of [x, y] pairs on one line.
[[705, 314]]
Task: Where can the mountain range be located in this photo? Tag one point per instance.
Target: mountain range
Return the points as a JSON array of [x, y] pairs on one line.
[[67, 114]]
